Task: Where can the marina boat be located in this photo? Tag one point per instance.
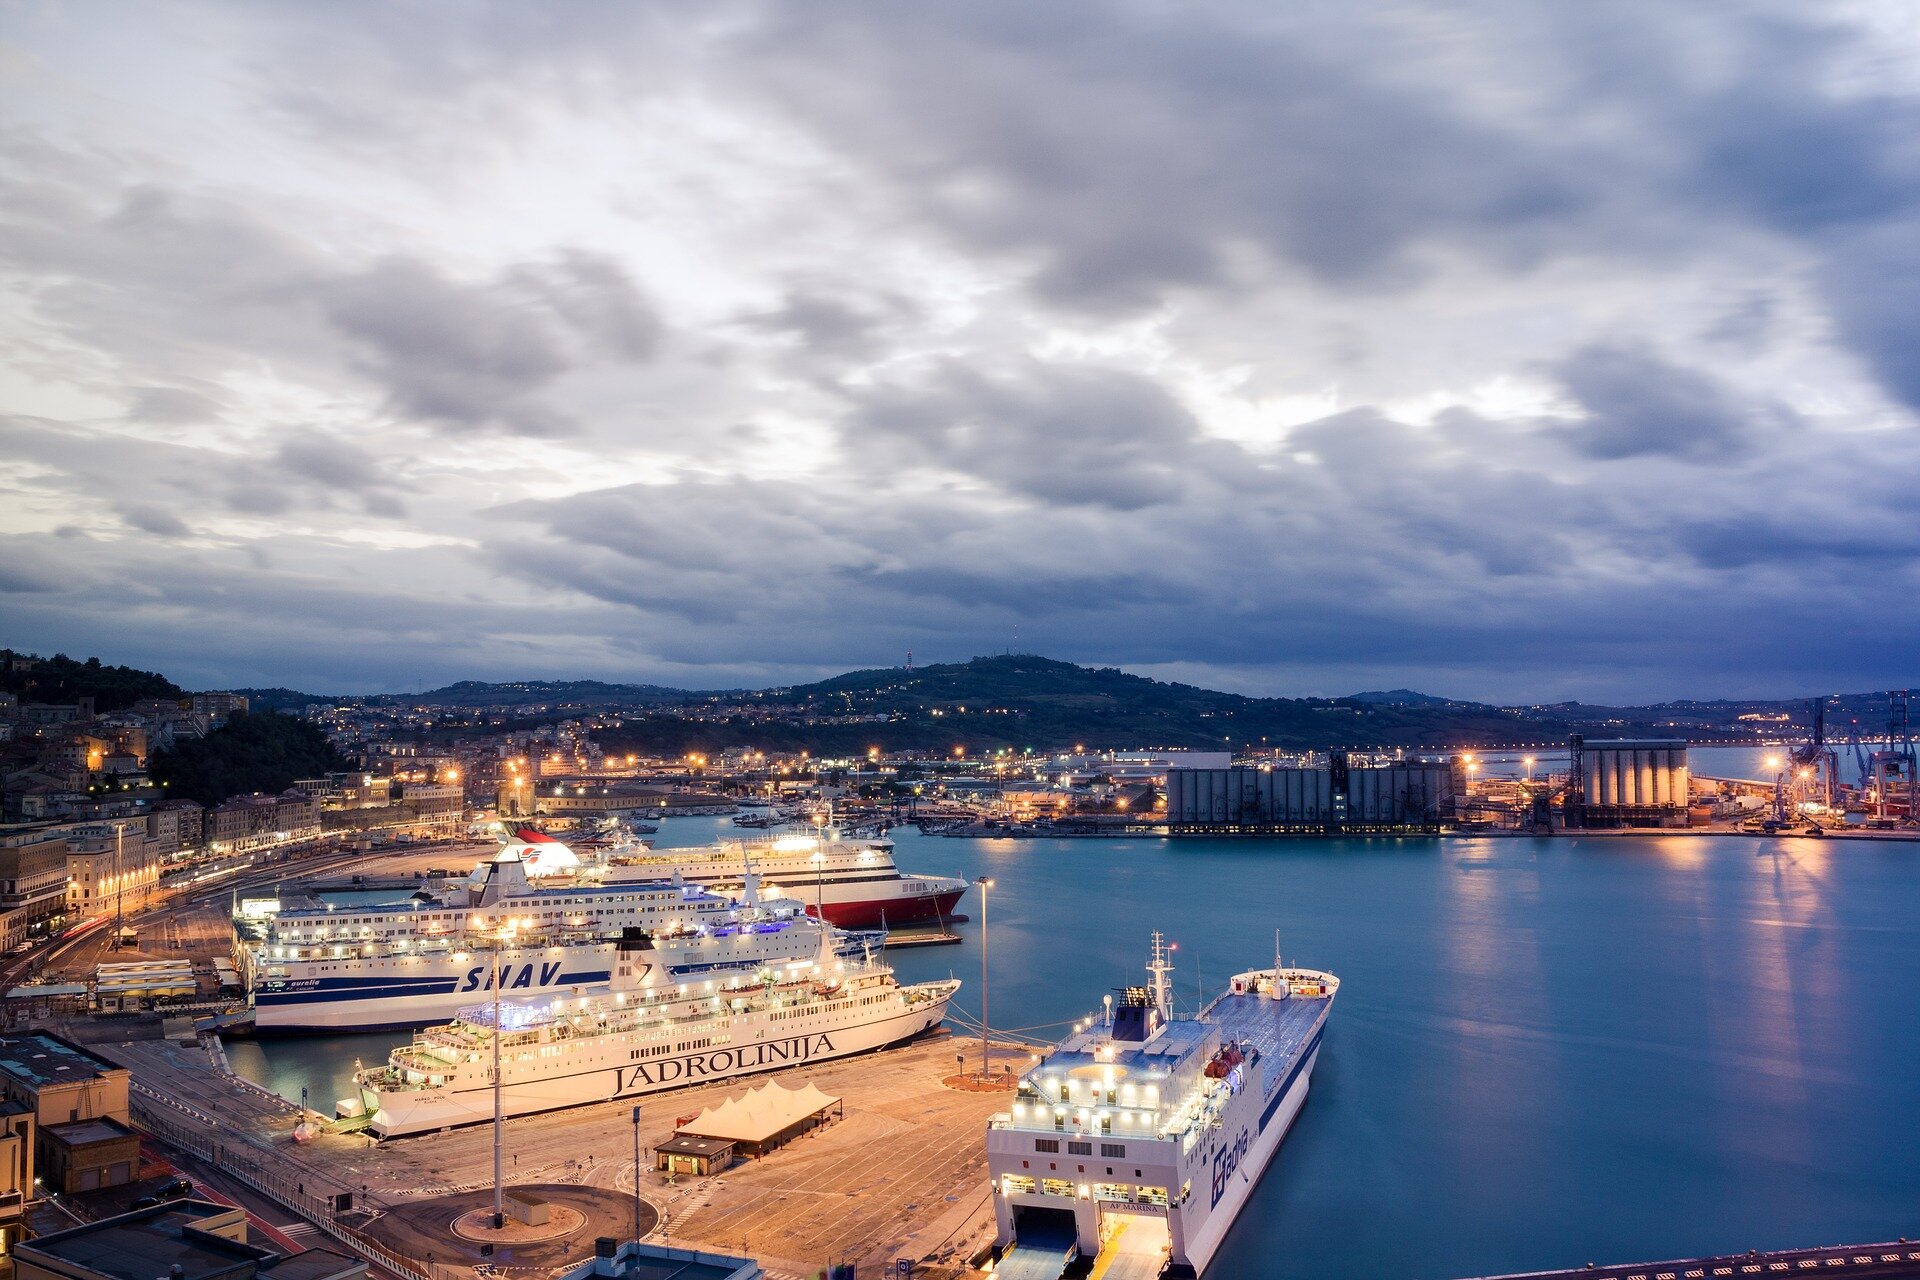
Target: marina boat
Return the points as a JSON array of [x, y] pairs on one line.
[[1136, 1141], [850, 883], [311, 966], [649, 1033]]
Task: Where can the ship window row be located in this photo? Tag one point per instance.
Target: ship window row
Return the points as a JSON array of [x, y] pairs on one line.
[[1016, 1184]]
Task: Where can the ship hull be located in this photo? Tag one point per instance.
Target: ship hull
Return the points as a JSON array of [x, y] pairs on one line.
[[400, 1112], [405, 992], [1204, 1243], [888, 913]]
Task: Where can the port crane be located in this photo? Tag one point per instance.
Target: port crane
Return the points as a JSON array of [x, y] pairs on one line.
[[1808, 781]]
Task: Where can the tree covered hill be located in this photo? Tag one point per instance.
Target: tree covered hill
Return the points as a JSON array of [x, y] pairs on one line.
[[1022, 700], [63, 679], [248, 753]]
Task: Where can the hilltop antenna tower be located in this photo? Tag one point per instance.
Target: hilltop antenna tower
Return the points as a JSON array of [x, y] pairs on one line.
[[909, 659]]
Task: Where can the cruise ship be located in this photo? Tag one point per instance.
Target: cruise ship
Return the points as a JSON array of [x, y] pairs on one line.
[[850, 883], [649, 1033], [1136, 1141], [316, 967]]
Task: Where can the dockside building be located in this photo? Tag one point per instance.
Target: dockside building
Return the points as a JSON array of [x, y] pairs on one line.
[[1403, 797]]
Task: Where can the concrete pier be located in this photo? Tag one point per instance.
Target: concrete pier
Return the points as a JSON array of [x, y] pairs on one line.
[[901, 1176]]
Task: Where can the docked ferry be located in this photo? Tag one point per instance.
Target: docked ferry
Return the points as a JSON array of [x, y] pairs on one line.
[[316, 967], [850, 883], [1136, 1141], [649, 1033]]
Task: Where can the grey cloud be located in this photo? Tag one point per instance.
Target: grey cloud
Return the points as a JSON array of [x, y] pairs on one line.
[[1051, 431], [1872, 282], [257, 499], [174, 289], [1638, 405], [473, 355], [332, 462], [171, 405], [838, 326], [155, 520], [21, 579], [442, 357], [1131, 148]]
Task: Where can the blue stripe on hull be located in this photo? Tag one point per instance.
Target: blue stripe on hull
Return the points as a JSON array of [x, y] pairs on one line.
[[356, 990]]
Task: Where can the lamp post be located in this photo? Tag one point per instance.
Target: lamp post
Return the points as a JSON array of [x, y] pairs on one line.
[[636, 1175], [119, 922], [501, 930], [985, 884]]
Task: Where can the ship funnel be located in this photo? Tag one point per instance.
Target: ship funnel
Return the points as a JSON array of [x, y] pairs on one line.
[[750, 890], [636, 964], [506, 878]]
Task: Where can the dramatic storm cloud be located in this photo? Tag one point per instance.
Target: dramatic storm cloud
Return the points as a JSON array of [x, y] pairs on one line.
[[1509, 350]]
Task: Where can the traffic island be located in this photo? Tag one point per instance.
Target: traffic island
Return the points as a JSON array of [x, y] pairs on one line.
[[551, 1224]]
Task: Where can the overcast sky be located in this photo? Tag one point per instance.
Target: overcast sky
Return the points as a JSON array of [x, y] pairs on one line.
[[1501, 350]]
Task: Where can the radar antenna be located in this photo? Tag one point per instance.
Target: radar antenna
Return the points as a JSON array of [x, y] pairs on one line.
[[1160, 967]]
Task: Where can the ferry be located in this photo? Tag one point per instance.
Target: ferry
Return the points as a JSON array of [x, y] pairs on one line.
[[649, 1033], [853, 884], [312, 966], [1137, 1141]]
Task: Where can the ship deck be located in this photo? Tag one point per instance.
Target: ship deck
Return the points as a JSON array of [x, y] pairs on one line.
[[1279, 1029]]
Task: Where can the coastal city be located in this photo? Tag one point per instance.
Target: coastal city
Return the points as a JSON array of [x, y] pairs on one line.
[[831, 640], [549, 928]]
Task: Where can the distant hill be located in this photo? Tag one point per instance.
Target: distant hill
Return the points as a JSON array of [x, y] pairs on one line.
[[282, 699], [1401, 698], [586, 693], [64, 679], [1023, 700]]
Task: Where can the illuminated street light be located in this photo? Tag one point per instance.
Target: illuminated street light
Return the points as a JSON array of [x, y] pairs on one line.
[[985, 884]]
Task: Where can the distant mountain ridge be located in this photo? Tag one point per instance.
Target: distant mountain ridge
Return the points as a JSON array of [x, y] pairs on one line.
[[1405, 698], [1025, 701]]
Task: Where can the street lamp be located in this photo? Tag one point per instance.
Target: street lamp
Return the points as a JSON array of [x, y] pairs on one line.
[[503, 929], [636, 1175], [985, 884]]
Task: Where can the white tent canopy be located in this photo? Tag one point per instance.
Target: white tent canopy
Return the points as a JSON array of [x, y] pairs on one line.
[[760, 1113]]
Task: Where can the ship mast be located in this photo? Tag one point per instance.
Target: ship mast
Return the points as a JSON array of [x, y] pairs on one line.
[[1159, 967]]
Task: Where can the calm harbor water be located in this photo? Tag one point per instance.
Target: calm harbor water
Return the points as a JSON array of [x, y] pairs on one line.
[[1544, 1052]]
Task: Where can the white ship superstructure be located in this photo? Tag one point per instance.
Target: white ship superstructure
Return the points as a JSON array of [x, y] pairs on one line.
[[851, 883], [648, 1034], [407, 964], [1142, 1135]]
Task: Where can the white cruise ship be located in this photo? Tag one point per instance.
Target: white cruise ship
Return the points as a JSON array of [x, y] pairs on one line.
[[851, 883], [316, 967], [646, 1035], [1136, 1141]]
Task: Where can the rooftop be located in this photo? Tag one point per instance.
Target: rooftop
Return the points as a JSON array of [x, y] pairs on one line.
[[150, 1242], [41, 1058], [79, 1132]]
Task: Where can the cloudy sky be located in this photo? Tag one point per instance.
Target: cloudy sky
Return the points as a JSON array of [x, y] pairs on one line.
[[1505, 350]]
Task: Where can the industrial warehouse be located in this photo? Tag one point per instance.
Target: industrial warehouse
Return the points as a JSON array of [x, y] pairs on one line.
[[1414, 796], [1617, 783]]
